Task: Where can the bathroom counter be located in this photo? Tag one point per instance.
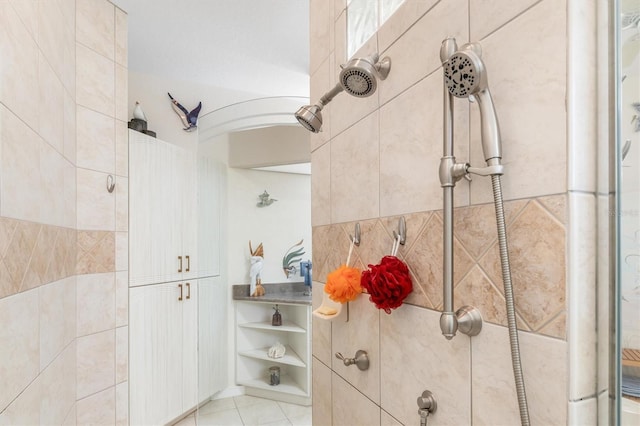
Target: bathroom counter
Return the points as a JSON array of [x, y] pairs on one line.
[[275, 293]]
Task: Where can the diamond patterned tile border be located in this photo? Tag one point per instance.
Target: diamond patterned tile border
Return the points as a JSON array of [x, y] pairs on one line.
[[537, 243]]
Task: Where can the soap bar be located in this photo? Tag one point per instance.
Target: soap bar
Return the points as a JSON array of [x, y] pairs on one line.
[[327, 310]]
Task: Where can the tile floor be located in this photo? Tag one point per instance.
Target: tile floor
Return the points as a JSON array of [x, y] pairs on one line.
[[248, 411]]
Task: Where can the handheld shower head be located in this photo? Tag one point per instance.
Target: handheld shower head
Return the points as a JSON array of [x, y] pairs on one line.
[[466, 77], [358, 78]]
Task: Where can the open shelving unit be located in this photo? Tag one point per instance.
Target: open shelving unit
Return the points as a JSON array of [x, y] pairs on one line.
[[255, 335]]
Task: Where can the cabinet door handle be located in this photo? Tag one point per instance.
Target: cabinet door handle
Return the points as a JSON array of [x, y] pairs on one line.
[[188, 291], [180, 267], [188, 263], [180, 298]]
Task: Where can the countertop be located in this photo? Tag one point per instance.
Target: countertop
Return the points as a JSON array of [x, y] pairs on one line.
[[275, 293]]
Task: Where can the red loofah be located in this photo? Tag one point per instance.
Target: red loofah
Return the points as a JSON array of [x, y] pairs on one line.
[[388, 283]]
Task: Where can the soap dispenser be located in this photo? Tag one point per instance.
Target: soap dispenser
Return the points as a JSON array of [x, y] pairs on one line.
[[276, 320]]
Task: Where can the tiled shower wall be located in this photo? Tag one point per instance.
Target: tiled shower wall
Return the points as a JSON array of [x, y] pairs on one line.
[[63, 237], [377, 159]]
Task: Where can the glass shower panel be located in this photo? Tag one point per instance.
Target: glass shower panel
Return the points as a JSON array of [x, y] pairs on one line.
[[629, 200]]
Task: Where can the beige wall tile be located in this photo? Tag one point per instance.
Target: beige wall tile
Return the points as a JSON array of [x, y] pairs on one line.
[[411, 148], [95, 81], [321, 186], [97, 409], [122, 298], [96, 295], [417, 53], [351, 407], [69, 128], [405, 16], [122, 251], [59, 387], [96, 364], [487, 16], [122, 149], [543, 362], [122, 354], [122, 88], [25, 409], [349, 337], [538, 266], [95, 26], [411, 337], [20, 163], [95, 141], [96, 252], [19, 344], [533, 132], [122, 404], [52, 36], [57, 319], [51, 106], [19, 77], [320, 29], [121, 37], [321, 409], [582, 320], [321, 329], [96, 206], [122, 204], [355, 172], [28, 12]]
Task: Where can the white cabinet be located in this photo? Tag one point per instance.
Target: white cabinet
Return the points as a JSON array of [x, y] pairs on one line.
[[177, 338], [255, 335], [163, 354], [173, 212]]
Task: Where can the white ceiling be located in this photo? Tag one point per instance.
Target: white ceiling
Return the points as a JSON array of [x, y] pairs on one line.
[[256, 46]]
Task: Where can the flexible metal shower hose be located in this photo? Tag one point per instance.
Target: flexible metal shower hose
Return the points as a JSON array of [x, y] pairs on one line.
[[508, 295]]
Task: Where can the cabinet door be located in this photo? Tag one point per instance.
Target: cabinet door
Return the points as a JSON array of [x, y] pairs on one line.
[[155, 219], [186, 170], [190, 346], [155, 363]]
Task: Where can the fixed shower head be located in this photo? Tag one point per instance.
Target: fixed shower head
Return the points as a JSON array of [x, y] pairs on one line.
[[359, 76], [310, 117], [466, 77]]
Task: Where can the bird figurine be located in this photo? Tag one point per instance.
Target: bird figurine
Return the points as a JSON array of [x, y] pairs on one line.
[[257, 256], [265, 201], [138, 113], [189, 119]]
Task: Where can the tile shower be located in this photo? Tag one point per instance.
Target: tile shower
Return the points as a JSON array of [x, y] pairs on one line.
[[377, 159], [63, 237]]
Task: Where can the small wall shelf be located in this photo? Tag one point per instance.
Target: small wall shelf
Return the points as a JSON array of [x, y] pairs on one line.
[[289, 358], [287, 326]]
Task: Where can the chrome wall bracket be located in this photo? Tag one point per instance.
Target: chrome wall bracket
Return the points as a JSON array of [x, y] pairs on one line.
[[426, 405]]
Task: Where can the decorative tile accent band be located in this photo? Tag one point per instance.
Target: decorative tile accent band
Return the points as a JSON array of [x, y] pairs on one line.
[[96, 252], [537, 247], [33, 254]]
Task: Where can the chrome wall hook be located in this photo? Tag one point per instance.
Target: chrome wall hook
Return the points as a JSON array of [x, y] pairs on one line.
[[355, 238], [111, 184], [361, 360], [401, 235]]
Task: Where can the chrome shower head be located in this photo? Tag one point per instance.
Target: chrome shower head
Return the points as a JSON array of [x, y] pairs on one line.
[[359, 76], [310, 117], [466, 77]]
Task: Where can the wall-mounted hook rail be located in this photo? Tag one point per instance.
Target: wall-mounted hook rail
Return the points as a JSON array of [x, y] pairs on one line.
[[111, 185], [402, 231], [356, 235]]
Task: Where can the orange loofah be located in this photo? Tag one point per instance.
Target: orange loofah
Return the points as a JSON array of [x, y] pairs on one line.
[[343, 284]]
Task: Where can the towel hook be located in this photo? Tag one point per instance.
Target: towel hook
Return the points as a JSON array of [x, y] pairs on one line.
[[402, 231], [356, 237], [111, 185]]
